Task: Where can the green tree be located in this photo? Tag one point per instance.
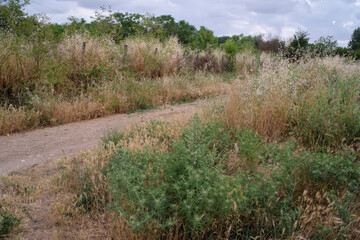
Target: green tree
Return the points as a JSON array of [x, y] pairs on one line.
[[231, 49], [14, 19], [354, 43], [128, 24], [298, 45], [325, 46], [168, 24], [204, 39], [186, 32]]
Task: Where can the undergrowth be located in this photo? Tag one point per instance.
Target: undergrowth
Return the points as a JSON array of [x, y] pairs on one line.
[[205, 180]]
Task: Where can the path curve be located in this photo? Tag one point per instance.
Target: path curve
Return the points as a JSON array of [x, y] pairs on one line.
[[23, 150]]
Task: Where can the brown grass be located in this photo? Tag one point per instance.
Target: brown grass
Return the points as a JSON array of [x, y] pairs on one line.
[[16, 62], [154, 58], [16, 119], [118, 96], [264, 101]]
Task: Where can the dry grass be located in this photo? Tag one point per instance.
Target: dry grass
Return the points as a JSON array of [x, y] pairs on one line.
[[16, 119], [84, 77], [118, 96], [265, 101], [246, 63], [154, 58], [84, 58], [16, 62]]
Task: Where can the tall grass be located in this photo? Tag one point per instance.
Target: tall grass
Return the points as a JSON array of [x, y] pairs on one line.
[[315, 100], [154, 58], [16, 63], [82, 77]]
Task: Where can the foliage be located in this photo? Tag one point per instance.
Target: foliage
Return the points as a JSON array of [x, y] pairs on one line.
[[354, 43], [189, 189], [325, 46], [298, 46], [271, 44], [204, 39], [331, 116], [186, 32], [180, 188], [7, 222], [231, 49]]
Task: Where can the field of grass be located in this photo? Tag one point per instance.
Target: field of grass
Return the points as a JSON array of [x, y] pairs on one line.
[[278, 159], [82, 77]]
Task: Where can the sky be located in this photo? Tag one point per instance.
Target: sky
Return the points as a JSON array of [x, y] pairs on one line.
[[337, 18]]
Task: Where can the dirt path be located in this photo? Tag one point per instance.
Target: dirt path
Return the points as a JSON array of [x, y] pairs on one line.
[[23, 150]]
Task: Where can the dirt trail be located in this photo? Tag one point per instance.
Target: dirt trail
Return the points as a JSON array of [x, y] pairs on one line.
[[23, 150]]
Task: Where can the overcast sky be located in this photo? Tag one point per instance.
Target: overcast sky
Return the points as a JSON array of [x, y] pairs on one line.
[[337, 18]]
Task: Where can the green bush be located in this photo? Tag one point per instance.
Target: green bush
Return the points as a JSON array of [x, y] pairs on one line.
[[187, 191], [181, 188], [7, 223], [231, 49]]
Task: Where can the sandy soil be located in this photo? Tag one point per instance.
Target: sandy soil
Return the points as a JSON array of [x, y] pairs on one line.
[[24, 150]]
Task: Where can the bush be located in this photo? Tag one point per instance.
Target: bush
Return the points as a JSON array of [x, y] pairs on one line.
[[206, 62], [177, 192], [7, 223], [231, 49]]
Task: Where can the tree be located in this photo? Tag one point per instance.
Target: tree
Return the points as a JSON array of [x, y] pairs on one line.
[[14, 19], [204, 39], [167, 22], [354, 43], [325, 46], [271, 44], [186, 32], [298, 45], [231, 49], [128, 24]]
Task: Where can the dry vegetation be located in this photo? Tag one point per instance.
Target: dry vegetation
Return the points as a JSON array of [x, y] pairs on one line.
[[278, 159], [297, 98], [84, 77]]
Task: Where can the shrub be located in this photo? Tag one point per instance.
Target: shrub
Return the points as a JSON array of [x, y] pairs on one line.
[[177, 192], [7, 223], [206, 62], [231, 49]]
